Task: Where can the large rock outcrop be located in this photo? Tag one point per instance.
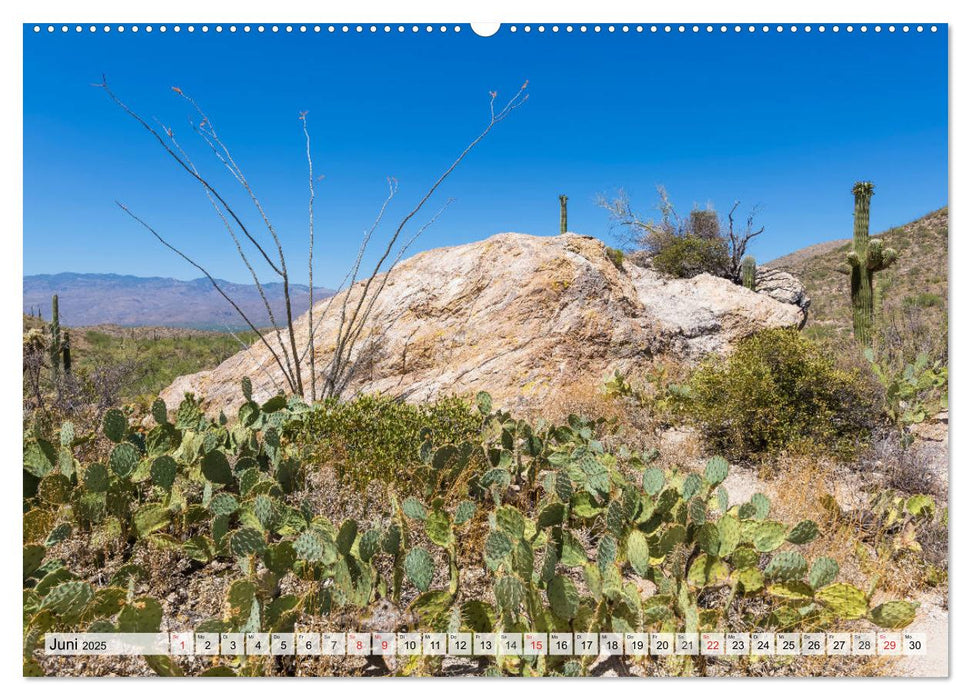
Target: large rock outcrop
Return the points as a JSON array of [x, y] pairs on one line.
[[519, 316]]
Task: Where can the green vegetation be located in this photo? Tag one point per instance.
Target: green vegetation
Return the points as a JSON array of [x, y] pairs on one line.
[[914, 393], [375, 437], [563, 226], [565, 531], [156, 358], [780, 391], [688, 255], [616, 256]]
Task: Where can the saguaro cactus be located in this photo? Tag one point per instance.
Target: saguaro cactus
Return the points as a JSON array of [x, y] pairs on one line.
[[563, 199], [66, 353], [748, 272], [867, 258], [55, 348]]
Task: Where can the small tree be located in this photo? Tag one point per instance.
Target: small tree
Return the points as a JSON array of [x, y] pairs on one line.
[[685, 247], [281, 340]]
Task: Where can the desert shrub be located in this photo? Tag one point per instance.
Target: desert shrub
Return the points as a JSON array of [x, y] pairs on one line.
[[689, 255], [924, 300], [376, 437], [780, 391], [616, 256], [684, 246]]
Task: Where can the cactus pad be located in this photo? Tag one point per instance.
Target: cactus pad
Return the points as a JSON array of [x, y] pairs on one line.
[[438, 527], [414, 509], [653, 481], [142, 615], [420, 568], [68, 599], [464, 512], [215, 467], [804, 532], [246, 541], [160, 412], [369, 544], [265, 510], [563, 597], [54, 489], [114, 425], [716, 470], [312, 546], [846, 601], [823, 572], [510, 593], [691, 486], [786, 566], [123, 459], [638, 553], [768, 536], [894, 614], [163, 472], [223, 504], [483, 402], [606, 552], [709, 539], [497, 547], [150, 518], [346, 536]]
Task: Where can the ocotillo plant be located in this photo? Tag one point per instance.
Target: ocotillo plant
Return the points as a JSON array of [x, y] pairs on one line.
[[866, 258], [55, 340], [563, 199], [748, 272]]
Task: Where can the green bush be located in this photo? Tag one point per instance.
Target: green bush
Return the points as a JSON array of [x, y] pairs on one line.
[[780, 391], [689, 255], [616, 256], [376, 437]]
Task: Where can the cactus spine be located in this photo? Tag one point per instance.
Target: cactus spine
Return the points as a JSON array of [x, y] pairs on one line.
[[867, 258], [748, 272], [563, 199], [55, 340]]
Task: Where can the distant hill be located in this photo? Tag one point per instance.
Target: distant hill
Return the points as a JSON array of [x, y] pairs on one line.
[[918, 279], [126, 300]]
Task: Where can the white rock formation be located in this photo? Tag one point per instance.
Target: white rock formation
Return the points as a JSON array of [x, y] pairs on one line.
[[515, 315]]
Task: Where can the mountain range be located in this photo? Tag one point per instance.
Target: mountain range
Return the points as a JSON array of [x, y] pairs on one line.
[[90, 299]]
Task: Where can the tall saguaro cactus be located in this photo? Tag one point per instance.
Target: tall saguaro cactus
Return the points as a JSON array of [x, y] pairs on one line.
[[563, 199], [55, 340], [867, 258], [748, 272]]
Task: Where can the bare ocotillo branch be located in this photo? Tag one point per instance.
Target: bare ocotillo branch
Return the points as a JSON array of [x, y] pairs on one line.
[[215, 284], [353, 316]]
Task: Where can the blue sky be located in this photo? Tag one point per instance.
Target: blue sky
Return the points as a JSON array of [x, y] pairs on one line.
[[784, 121]]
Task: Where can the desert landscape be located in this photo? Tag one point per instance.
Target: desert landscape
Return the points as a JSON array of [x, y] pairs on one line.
[[508, 395], [508, 455]]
